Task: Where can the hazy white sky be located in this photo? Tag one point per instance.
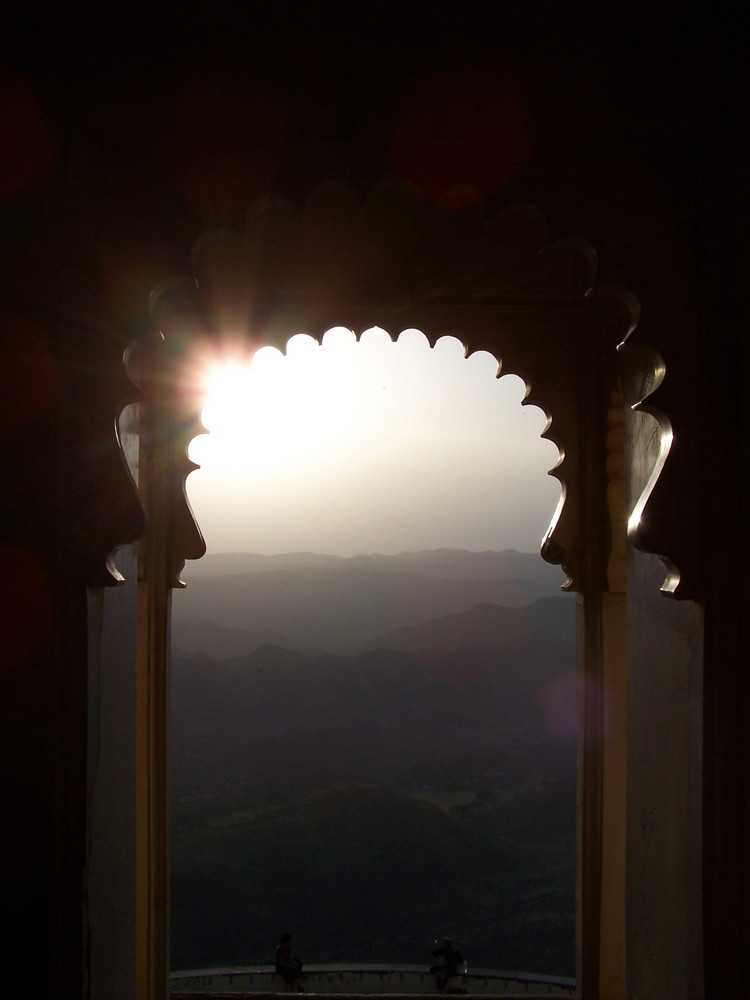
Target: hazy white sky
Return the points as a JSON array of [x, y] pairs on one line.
[[371, 446]]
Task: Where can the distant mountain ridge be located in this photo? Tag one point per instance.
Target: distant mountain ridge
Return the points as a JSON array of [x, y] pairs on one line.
[[222, 642], [328, 603], [482, 625], [488, 564]]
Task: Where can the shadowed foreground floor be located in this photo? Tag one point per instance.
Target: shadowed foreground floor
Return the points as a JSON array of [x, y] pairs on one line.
[[337, 996]]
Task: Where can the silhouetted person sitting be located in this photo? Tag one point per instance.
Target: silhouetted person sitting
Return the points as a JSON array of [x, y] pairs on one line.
[[287, 966], [448, 968]]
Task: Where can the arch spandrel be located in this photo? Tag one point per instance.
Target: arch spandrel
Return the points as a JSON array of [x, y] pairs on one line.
[[394, 260]]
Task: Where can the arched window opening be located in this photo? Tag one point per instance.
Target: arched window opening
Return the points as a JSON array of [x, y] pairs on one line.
[[509, 293], [355, 437], [374, 724]]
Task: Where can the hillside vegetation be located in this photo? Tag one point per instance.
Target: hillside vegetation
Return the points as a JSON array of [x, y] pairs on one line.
[[417, 784]]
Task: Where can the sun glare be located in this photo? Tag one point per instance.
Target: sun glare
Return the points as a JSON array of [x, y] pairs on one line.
[[228, 390], [360, 436], [275, 409]]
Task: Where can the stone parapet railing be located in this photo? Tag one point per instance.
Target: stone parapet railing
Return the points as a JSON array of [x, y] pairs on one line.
[[363, 980]]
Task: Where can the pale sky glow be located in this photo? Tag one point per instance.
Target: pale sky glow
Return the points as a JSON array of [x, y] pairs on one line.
[[371, 446]]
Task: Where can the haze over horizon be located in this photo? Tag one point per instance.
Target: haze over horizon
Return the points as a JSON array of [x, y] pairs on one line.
[[372, 446]]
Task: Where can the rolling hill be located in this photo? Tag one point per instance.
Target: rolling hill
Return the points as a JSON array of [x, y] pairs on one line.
[[373, 752], [363, 873]]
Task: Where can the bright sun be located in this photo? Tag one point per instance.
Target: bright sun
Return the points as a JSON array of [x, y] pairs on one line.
[[279, 410]]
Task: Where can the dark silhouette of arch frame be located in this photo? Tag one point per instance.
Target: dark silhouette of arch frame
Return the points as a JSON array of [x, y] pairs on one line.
[[395, 261]]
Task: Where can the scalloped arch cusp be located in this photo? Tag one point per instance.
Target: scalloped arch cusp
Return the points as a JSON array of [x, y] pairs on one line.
[[186, 538]]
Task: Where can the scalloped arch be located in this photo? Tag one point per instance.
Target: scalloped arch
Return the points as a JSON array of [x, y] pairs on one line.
[[395, 260]]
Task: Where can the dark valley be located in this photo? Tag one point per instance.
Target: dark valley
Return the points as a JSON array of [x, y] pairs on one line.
[[373, 753]]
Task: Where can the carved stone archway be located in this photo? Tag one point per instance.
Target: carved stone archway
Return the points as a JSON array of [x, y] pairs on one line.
[[397, 261]]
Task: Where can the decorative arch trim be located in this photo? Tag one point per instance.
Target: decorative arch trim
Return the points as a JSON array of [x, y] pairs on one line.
[[395, 260]]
